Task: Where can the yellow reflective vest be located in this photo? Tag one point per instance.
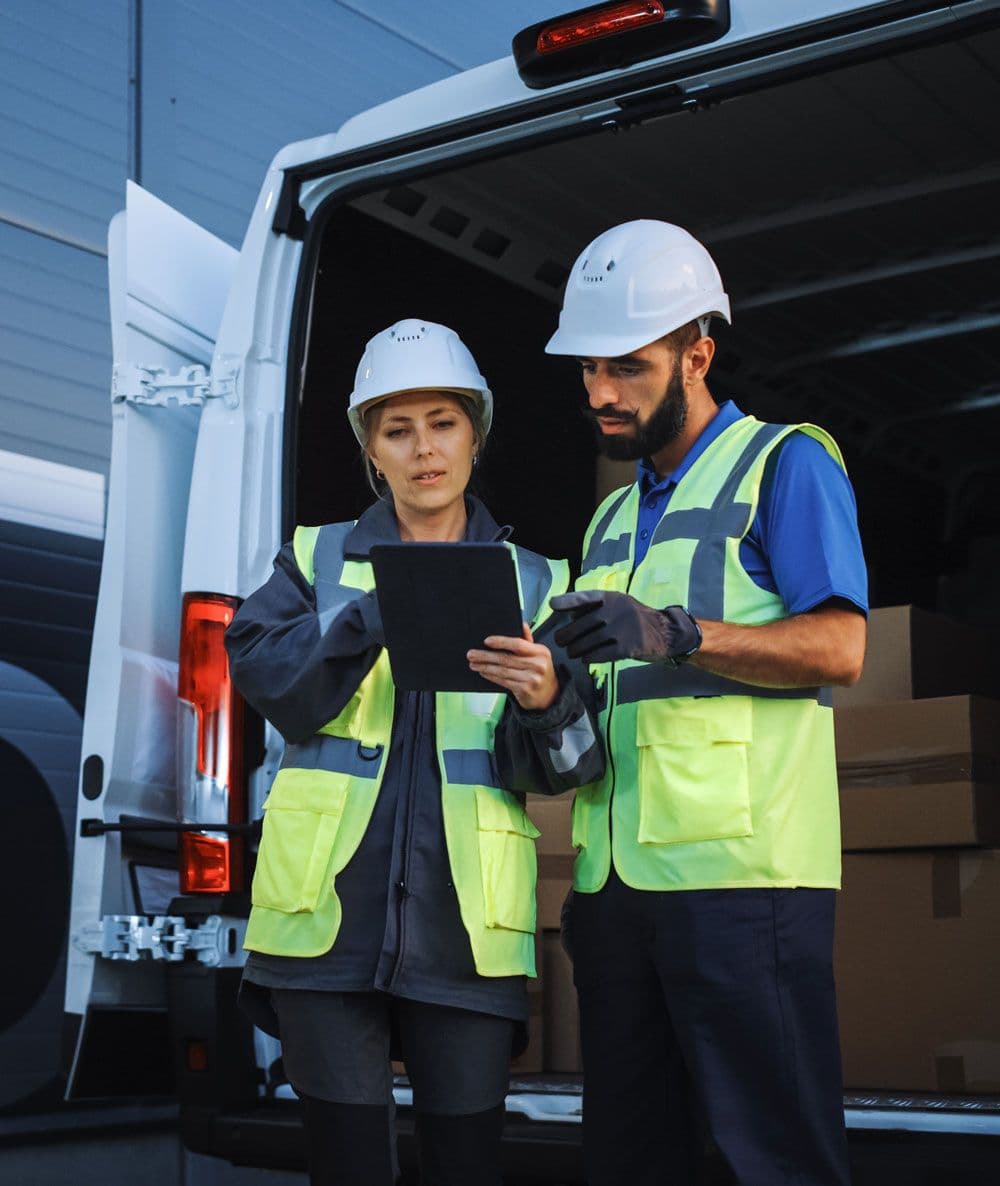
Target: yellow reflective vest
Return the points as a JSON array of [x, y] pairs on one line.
[[322, 798], [710, 783]]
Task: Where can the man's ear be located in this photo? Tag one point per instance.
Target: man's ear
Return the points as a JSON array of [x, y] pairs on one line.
[[698, 359]]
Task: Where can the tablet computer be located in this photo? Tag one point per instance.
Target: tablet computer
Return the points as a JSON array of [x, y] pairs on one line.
[[439, 601]]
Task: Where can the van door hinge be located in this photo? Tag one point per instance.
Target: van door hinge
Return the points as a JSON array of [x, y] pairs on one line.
[[190, 385], [216, 940]]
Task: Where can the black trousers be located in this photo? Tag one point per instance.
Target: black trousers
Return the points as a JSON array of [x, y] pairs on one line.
[[708, 1008], [335, 1048]]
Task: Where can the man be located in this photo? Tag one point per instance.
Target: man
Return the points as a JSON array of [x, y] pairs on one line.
[[720, 597]]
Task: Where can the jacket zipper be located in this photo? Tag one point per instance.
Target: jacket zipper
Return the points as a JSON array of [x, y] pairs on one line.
[[403, 886]]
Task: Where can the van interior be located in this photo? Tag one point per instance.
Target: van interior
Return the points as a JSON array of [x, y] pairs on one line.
[[853, 216]]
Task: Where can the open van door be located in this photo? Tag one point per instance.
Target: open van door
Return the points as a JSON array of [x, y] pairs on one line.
[[169, 280]]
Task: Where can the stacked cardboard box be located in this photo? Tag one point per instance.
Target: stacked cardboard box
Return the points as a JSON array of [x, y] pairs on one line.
[[559, 1019], [919, 767]]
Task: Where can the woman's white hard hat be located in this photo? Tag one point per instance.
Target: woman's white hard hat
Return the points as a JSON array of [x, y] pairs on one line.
[[416, 355], [634, 284]]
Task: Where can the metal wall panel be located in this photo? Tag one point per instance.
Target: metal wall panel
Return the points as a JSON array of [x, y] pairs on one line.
[[463, 34], [55, 347], [64, 115], [224, 86]]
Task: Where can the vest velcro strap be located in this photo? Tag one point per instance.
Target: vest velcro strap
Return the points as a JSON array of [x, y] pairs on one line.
[[345, 755], [655, 682], [470, 767]]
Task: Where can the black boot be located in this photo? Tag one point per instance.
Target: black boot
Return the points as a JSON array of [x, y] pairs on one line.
[[460, 1150], [349, 1144]]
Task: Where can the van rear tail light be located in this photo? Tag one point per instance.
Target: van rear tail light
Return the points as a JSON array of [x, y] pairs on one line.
[[613, 35], [211, 774], [604, 21], [204, 864]]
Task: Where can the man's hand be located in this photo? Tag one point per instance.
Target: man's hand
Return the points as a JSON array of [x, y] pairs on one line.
[[522, 666], [610, 626]]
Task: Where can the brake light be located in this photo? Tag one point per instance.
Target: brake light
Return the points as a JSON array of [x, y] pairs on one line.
[[212, 782], [205, 864], [613, 36], [603, 22]]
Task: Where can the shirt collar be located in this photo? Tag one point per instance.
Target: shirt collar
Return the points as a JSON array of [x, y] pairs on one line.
[[649, 483], [378, 525]]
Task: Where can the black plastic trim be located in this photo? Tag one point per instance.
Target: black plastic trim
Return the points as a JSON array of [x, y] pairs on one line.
[[289, 218]]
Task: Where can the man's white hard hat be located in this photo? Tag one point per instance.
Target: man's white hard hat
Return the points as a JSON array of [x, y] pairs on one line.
[[632, 285], [416, 355]]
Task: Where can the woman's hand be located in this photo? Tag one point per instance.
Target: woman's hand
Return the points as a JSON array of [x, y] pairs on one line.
[[522, 666]]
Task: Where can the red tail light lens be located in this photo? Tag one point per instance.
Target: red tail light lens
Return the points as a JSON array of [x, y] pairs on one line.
[[603, 22], [211, 864], [206, 864]]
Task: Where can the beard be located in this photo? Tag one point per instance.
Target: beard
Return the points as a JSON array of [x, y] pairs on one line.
[[664, 425]]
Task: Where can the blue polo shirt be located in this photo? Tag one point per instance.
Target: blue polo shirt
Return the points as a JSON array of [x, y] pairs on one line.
[[804, 543]]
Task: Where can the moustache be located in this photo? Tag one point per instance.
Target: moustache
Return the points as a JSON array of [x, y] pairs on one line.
[[594, 414]]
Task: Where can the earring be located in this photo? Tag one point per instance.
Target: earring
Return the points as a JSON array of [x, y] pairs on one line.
[[475, 460], [379, 474]]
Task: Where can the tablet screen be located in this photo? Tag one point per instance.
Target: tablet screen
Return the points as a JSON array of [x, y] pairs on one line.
[[439, 601]]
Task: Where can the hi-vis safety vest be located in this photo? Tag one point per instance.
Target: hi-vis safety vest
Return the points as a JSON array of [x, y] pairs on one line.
[[322, 799], [710, 783]]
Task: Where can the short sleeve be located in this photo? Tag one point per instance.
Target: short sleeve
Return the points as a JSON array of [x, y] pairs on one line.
[[804, 543]]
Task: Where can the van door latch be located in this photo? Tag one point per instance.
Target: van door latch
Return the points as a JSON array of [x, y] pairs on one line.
[[216, 940], [154, 386]]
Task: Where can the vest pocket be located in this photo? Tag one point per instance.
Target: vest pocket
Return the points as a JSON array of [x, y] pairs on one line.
[[302, 815], [507, 860], [694, 779]]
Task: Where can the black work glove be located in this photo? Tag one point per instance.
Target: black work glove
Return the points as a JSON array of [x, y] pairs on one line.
[[610, 626]]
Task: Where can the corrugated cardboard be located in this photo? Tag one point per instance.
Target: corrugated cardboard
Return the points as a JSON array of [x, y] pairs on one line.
[[913, 654], [551, 815], [918, 970], [562, 1014], [533, 1057], [919, 773]]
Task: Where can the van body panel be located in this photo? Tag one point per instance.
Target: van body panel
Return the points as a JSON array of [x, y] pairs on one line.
[[168, 279]]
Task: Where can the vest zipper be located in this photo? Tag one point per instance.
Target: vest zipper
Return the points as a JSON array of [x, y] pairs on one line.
[[612, 696], [402, 887]]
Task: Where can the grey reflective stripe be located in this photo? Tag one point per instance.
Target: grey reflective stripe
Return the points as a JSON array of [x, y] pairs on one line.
[[328, 564], [655, 681], [706, 581], [697, 522], [597, 538], [577, 739], [342, 754], [472, 767], [536, 579], [608, 552]]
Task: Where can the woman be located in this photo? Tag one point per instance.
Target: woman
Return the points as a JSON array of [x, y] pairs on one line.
[[394, 890]]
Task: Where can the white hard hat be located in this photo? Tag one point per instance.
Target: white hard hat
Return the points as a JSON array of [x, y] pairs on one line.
[[415, 355], [634, 284]]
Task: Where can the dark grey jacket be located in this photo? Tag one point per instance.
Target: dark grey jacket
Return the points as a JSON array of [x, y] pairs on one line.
[[401, 931]]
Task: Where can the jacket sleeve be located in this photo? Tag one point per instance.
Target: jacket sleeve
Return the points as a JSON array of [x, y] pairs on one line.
[[293, 673], [559, 748]]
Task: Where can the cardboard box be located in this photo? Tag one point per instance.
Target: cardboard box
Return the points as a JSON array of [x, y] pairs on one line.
[[551, 814], [919, 773], [917, 967], [533, 1057], [913, 654], [562, 1014]]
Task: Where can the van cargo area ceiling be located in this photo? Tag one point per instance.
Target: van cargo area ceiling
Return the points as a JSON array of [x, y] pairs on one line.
[[854, 217]]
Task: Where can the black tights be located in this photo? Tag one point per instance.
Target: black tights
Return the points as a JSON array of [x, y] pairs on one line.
[[352, 1145]]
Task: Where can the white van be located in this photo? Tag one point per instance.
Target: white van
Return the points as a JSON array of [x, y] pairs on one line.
[[841, 160]]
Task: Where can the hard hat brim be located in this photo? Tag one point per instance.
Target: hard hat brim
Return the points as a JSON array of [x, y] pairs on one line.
[[357, 413], [597, 345]]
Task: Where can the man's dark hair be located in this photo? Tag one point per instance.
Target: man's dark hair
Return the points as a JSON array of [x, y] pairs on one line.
[[685, 335]]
